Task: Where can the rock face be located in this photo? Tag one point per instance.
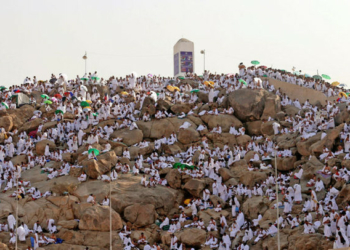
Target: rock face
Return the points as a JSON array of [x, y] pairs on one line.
[[96, 218], [195, 187], [103, 164], [187, 136], [174, 178], [193, 237], [140, 215], [249, 105], [129, 137], [40, 146]]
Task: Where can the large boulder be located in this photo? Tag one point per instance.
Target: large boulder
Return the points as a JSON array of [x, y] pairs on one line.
[[224, 121], [40, 146], [179, 108], [187, 136], [156, 129], [130, 137], [30, 126], [103, 164], [257, 204], [253, 128], [173, 178], [96, 218], [140, 215], [285, 164], [6, 122], [249, 104], [195, 187], [192, 237], [303, 147]]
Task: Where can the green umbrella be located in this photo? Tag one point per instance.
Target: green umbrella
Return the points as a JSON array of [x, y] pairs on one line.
[[242, 81], [95, 78], [283, 70], [264, 75], [194, 90], [183, 166], [47, 102], [95, 114], [296, 73], [317, 77], [5, 104], [200, 76], [84, 78], [181, 77], [2, 88], [94, 150], [84, 104], [326, 76], [255, 62], [45, 96], [58, 111], [307, 75]]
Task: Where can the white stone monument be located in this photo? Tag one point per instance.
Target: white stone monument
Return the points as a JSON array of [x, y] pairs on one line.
[[183, 57]]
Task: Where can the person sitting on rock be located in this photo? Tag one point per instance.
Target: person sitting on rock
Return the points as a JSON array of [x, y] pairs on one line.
[[82, 177], [91, 199], [212, 225], [142, 239], [211, 241]]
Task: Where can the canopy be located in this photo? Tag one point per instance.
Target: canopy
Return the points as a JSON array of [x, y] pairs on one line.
[[255, 62], [21, 99], [183, 166], [58, 111], [94, 150], [84, 104]]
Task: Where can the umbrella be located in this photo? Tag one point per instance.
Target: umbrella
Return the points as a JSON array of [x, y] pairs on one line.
[[317, 77], [54, 99], [2, 88], [45, 96], [95, 78], [172, 81], [209, 84], [124, 93], [176, 88], [255, 62], [183, 166], [326, 76], [5, 104], [17, 91], [58, 96], [66, 94], [149, 75], [296, 73], [88, 101], [37, 112], [94, 150], [48, 102], [95, 114], [264, 75], [83, 87], [84, 78], [262, 66], [307, 75], [53, 80], [242, 81], [170, 88], [84, 104], [342, 85], [194, 90], [335, 83], [58, 111], [342, 94], [181, 77], [87, 109]]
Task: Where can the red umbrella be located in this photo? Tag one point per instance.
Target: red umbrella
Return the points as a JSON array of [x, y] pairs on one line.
[[58, 96], [66, 93], [17, 91], [264, 67]]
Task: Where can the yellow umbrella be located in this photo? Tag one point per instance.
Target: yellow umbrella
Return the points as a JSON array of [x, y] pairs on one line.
[[170, 88], [209, 84], [186, 202], [342, 94], [88, 101], [124, 93], [176, 88], [335, 83]]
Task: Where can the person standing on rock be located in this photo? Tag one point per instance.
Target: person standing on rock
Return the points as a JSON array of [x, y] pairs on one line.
[[11, 221]]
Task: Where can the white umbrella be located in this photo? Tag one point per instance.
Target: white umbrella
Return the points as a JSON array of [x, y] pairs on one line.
[[83, 87], [36, 112], [153, 95]]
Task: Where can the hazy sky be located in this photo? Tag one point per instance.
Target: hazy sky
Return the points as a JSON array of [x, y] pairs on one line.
[[41, 37]]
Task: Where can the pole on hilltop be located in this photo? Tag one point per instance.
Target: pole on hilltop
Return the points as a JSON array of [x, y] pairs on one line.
[[85, 58], [278, 220]]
